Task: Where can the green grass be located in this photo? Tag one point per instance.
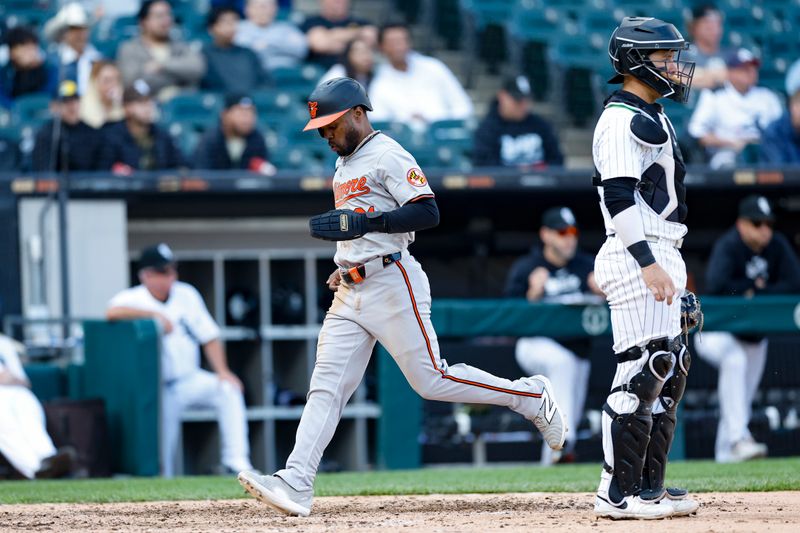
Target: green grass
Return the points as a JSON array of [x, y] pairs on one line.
[[698, 476]]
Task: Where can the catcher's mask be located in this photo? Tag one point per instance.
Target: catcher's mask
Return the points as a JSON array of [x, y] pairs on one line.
[[334, 98], [630, 47]]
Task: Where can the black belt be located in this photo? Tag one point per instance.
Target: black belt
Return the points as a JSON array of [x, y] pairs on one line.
[[359, 273]]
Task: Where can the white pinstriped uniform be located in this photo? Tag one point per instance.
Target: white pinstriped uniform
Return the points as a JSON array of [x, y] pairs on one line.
[[636, 317]]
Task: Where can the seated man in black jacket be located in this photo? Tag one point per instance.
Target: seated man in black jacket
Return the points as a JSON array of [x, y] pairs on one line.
[[510, 135], [234, 143], [749, 259], [68, 143], [136, 143], [557, 272]]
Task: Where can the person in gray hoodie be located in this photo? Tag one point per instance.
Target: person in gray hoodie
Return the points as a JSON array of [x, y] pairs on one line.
[[277, 44]]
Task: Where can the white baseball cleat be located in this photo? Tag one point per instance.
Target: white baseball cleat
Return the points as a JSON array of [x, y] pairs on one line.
[[631, 507], [747, 449], [549, 419], [276, 493], [681, 506]]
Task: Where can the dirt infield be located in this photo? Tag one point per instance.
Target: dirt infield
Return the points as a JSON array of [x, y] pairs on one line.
[[729, 512]]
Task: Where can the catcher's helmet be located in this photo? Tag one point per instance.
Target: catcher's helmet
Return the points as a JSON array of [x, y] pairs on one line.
[[334, 98], [632, 43]]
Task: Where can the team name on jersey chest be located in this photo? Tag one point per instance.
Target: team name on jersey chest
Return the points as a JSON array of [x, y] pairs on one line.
[[348, 189]]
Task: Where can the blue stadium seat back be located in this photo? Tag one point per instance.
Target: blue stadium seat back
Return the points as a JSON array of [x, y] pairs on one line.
[[269, 100], [288, 122], [485, 12], [599, 21], [301, 80], [32, 109], [198, 108], [24, 15], [457, 135], [452, 159], [536, 24], [396, 130], [190, 18], [578, 52], [186, 136]]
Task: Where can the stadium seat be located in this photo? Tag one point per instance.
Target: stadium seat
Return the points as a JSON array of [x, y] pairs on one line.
[[299, 81], [32, 109], [108, 34], [198, 109], [186, 136], [396, 130], [455, 135]]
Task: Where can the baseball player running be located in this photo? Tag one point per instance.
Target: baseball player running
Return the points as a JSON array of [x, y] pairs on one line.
[[639, 176], [382, 294]]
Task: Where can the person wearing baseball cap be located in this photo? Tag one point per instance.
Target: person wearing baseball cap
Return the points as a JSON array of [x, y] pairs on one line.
[[235, 142], [751, 258], [732, 117], [556, 271], [511, 135], [78, 146], [187, 329], [137, 142]]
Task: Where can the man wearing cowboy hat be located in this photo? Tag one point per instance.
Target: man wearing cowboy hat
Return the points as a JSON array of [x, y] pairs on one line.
[[75, 54]]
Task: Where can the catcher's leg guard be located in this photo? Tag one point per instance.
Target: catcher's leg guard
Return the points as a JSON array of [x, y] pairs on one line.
[[630, 432], [663, 429]]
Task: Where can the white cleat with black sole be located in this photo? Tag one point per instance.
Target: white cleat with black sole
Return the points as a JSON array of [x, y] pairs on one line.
[[276, 493]]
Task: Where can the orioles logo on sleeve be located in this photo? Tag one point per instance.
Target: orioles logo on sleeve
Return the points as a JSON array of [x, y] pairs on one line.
[[312, 109], [416, 178]]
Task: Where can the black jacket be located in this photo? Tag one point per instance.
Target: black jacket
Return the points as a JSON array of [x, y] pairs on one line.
[[123, 148], [569, 279], [80, 148], [500, 142], [733, 267], [212, 152]]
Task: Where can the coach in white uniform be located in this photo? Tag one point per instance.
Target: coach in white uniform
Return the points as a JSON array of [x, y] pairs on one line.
[[382, 294], [639, 176], [186, 326]]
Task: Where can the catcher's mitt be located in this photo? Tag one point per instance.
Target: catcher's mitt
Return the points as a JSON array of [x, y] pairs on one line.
[[691, 314]]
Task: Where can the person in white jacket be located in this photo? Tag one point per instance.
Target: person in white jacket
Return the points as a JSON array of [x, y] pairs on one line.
[[24, 442], [414, 88]]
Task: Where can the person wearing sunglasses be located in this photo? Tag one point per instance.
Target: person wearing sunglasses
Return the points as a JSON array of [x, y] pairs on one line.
[[556, 271], [749, 259], [186, 327]]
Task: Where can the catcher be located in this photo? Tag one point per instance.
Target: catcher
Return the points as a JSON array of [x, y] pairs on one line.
[[382, 294]]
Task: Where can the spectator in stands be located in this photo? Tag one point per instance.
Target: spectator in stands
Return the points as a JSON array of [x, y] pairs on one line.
[[357, 62], [329, 32], [728, 119], [748, 260], [235, 143], [706, 30], [414, 88], [26, 450], [278, 44], [186, 327], [780, 142], [556, 271], [166, 65], [66, 143], [510, 135], [26, 71], [102, 102], [229, 67], [137, 143], [75, 54]]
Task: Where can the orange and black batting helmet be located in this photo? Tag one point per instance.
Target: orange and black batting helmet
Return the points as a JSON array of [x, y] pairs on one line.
[[334, 98]]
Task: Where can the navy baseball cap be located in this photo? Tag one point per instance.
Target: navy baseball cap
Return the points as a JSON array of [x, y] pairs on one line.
[[741, 57], [232, 99], [559, 218], [518, 87], [66, 90], [756, 208], [158, 256]]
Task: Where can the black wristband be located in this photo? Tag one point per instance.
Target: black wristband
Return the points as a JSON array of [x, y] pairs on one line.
[[642, 253], [376, 222]]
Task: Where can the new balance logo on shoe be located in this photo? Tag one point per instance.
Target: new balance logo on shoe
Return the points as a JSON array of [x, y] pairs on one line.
[[549, 406]]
